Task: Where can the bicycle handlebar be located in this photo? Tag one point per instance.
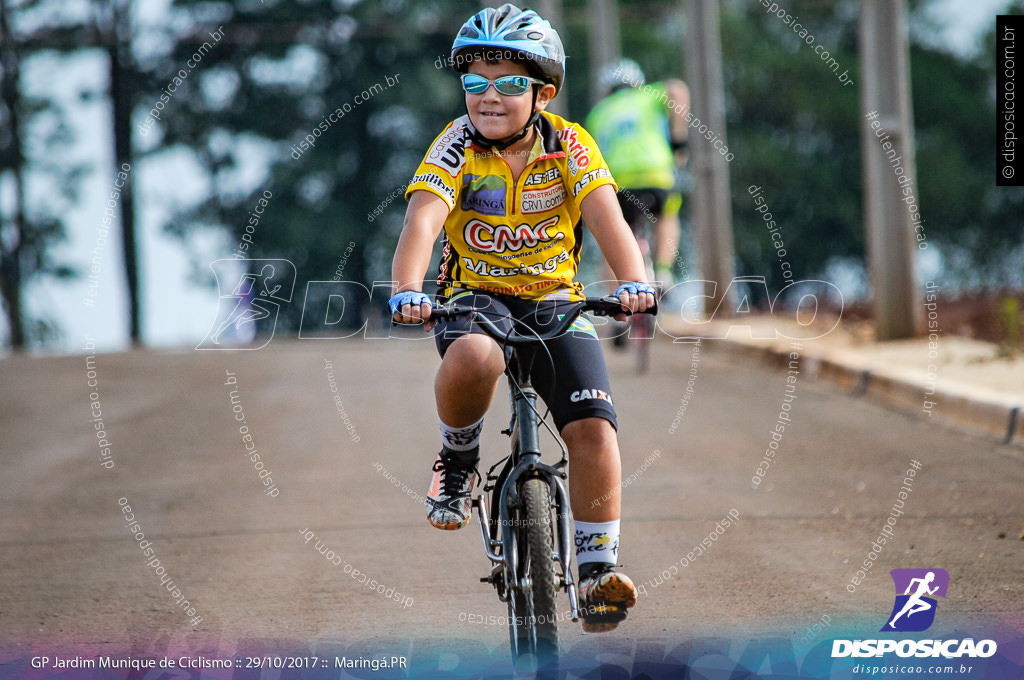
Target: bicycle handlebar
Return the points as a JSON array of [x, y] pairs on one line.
[[604, 306]]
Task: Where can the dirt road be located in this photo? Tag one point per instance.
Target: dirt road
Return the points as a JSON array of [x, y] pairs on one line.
[[166, 536]]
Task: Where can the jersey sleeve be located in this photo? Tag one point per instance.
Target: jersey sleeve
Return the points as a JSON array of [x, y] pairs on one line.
[[439, 171], [587, 167]]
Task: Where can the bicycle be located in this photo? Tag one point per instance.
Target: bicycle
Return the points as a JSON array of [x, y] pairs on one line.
[[640, 328], [523, 510]]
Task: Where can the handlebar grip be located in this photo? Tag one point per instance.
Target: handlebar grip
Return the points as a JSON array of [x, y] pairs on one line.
[[610, 306], [448, 312]]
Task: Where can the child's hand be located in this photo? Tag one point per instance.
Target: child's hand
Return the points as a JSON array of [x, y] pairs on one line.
[[411, 306], [636, 297]]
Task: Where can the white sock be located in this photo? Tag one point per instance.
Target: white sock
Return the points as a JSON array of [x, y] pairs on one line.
[[461, 438], [597, 542]]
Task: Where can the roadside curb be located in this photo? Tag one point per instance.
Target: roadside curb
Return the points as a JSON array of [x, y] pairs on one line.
[[979, 411]]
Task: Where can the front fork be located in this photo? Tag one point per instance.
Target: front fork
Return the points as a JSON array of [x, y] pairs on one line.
[[502, 552]]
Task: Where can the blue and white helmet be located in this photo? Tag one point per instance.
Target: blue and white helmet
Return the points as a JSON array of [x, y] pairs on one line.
[[512, 33]]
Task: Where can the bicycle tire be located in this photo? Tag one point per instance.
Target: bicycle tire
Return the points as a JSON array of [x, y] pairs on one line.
[[643, 324], [533, 616]]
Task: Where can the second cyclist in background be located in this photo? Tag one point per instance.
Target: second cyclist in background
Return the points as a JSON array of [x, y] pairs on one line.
[[641, 130]]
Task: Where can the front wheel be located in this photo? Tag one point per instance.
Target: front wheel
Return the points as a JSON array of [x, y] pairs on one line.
[[533, 625]]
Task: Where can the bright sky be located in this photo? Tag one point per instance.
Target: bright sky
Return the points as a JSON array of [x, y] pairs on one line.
[[965, 20], [177, 314]]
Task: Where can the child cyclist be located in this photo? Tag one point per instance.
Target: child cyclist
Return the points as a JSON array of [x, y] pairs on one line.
[[507, 185]]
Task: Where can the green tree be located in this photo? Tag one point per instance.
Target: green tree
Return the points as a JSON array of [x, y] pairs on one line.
[[977, 224], [34, 135], [362, 77], [280, 68], [795, 130]]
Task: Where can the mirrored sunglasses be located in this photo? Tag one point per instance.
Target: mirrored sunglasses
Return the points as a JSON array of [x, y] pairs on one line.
[[507, 85]]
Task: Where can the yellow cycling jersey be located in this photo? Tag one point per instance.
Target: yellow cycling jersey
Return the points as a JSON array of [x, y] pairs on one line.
[[513, 237]]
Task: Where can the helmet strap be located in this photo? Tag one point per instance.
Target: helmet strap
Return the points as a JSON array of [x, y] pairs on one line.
[[502, 144]]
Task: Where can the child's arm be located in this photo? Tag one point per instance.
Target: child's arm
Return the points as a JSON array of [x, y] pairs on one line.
[[604, 219], [424, 220]]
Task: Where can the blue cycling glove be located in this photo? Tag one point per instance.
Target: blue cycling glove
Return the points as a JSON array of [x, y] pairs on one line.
[[407, 297], [635, 287]]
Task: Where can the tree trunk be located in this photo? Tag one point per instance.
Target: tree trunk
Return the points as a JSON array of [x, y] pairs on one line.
[[114, 30], [118, 41], [11, 240]]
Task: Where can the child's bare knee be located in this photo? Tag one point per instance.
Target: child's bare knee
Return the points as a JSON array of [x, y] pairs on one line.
[[477, 355]]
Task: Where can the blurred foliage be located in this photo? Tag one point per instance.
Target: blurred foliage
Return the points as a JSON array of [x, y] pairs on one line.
[[796, 133], [1012, 320], [279, 70], [281, 67], [982, 225], [794, 128], [39, 175]]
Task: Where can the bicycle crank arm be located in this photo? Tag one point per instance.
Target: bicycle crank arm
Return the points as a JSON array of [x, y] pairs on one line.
[[574, 601]]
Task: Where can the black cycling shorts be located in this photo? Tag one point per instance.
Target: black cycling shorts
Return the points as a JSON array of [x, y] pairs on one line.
[[570, 376], [641, 207]]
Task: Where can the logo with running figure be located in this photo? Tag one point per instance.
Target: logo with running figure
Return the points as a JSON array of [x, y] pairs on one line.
[[914, 610], [257, 292]]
